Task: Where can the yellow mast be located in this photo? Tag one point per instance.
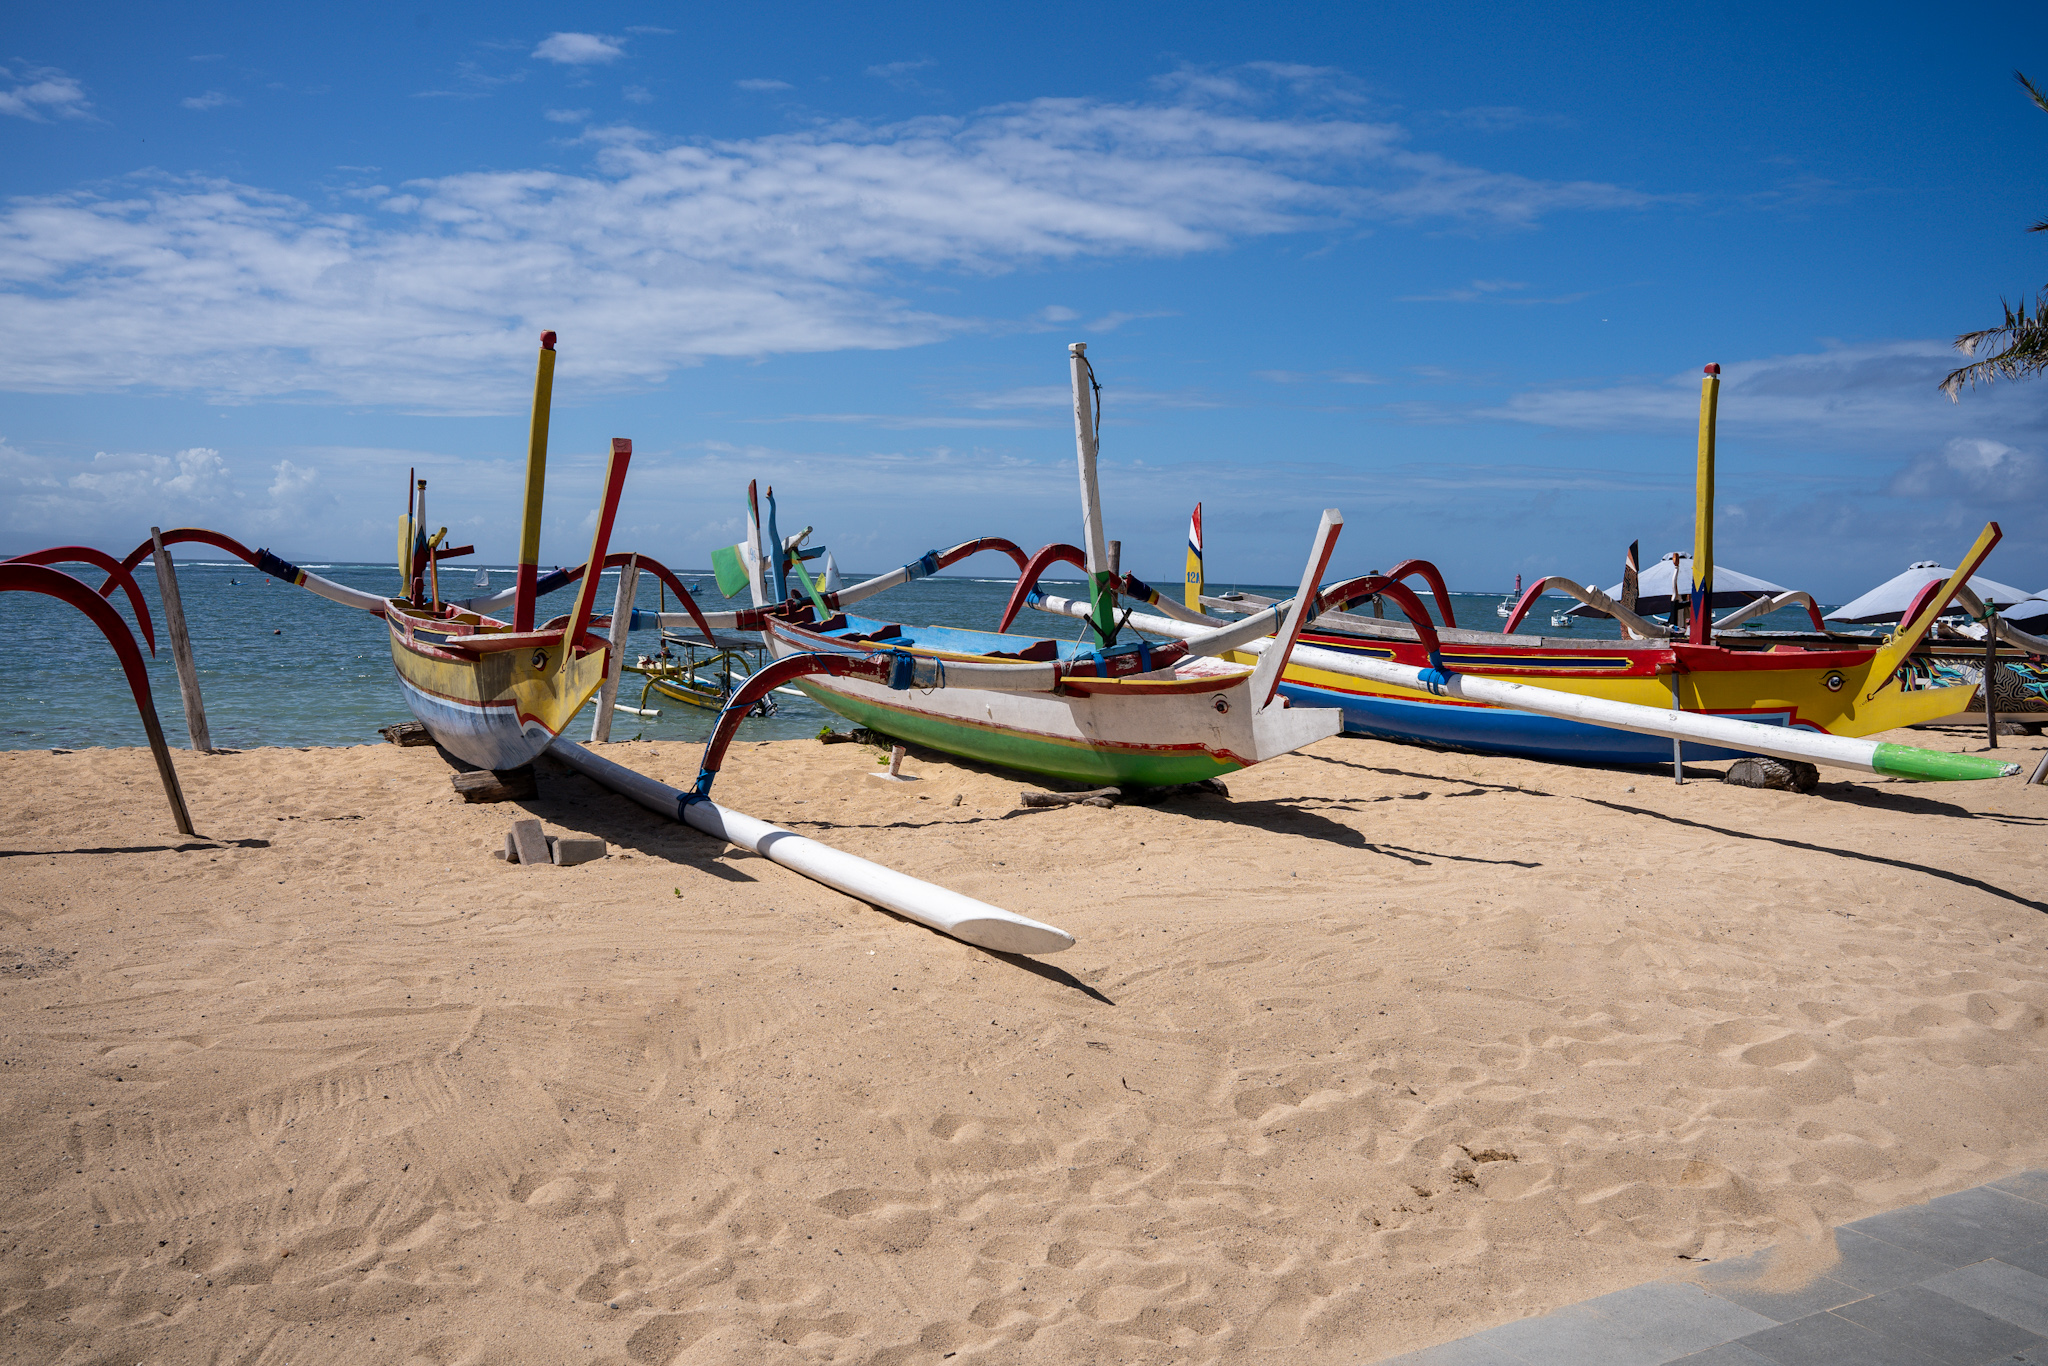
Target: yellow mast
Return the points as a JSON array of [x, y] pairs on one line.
[[1701, 632], [536, 482]]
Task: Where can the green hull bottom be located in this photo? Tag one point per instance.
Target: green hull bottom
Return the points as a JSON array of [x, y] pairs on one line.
[[1035, 754]]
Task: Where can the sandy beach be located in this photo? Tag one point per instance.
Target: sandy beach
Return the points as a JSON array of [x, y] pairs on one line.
[[1389, 1046]]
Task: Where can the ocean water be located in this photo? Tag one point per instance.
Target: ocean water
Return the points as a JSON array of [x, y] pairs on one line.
[[279, 666]]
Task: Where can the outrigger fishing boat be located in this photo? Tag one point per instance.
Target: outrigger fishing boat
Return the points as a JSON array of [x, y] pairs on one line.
[[1388, 677], [1093, 710], [494, 693], [1816, 681]]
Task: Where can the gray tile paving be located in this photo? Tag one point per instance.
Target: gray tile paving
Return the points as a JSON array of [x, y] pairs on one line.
[[2004, 1291], [2034, 1259], [1735, 1281], [1825, 1340], [1574, 1337], [1872, 1265], [1943, 1332], [1678, 1318], [1727, 1354], [2028, 1185], [1961, 1280]]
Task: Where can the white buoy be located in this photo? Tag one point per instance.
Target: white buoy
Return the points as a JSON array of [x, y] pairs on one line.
[[976, 922]]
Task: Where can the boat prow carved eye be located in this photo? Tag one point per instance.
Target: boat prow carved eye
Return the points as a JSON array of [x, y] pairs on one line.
[[1833, 682], [1222, 703], [540, 660]]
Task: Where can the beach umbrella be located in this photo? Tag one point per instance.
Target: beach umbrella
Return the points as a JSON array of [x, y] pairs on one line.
[[2028, 614], [1890, 599], [1654, 587]]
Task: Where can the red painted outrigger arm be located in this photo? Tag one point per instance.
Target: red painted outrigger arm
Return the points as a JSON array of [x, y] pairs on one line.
[[22, 576]]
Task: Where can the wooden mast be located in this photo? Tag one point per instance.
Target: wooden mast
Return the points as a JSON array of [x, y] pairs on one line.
[[536, 483], [1701, 630], [1094, 548]]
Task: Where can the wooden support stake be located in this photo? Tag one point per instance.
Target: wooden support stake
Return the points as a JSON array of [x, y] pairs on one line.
[[622, 622], [482, 785], [181, 646], [1990, 670], [2040, 773], [407, 733]]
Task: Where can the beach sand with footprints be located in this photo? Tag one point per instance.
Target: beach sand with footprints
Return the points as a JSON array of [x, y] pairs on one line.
[[1388, 1046]]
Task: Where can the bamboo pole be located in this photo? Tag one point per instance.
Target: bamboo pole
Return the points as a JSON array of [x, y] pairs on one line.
[[622, 624], [181, 647], [1990, 664], [976, 922]]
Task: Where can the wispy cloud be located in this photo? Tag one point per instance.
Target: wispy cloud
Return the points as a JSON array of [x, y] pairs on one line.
[[1492, 291], [661, 255], [649, 30], [565, 115], [40, 93], [212, 99], [890, 71], [580, 49], [1318, 376], [1880, 396], [1502, 118], [637, 94], [762, 85]]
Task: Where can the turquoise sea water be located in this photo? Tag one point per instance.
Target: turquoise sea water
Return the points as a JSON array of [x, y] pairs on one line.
[[278, 666]]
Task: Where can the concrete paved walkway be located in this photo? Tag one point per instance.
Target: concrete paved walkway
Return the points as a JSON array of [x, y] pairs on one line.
[[1961, 1280]]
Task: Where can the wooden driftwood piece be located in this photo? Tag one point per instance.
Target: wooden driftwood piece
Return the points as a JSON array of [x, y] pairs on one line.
[[1782, 774], [1101, 796], [407, 733], [482, 785]]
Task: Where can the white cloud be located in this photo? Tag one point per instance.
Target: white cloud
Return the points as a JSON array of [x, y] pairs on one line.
[[1844, 394], [1974, 468], [565, 115], [637, 94], [579, 49], [38, 92], [761, 84], [292, 481], [662, 255], [212, 99], [113, 490], [650, 30], [892, 70]]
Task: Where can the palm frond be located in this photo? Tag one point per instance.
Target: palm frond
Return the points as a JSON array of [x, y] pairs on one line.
[[2030, 88], [2023, 343]]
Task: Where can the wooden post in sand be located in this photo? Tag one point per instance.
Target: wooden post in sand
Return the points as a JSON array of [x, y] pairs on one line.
[[1990, 667], [181, 646], [622, 622]]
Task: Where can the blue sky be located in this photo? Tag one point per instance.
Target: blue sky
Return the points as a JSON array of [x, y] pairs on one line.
[[1453, 269]]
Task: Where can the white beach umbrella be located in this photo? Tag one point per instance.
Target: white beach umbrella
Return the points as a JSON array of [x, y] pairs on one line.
[[1654, 587], [2028, 614], [1890, 599]]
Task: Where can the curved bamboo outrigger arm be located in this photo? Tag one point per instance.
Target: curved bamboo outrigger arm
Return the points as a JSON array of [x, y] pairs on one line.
[[267, 563], [1028, 575], [18, 576], [2007, 632], [1763, 607], [562, 578], [1592, 597], [924, 566], [1434, 578], [117, 575]]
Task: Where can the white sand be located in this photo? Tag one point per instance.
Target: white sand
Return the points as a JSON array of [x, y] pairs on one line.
[[1389, 1047]]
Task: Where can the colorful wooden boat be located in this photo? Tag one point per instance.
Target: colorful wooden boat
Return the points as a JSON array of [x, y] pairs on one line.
[[1821, 682], [494, 693], [1093, 711]]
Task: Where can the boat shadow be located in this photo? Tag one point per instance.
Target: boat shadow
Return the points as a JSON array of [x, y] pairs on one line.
[[189, 847], [1302, 817], [1906, 865]]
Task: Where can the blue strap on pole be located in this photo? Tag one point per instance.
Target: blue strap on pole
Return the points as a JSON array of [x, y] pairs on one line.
[[1436, 680], [924, 566], [902, 670]]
